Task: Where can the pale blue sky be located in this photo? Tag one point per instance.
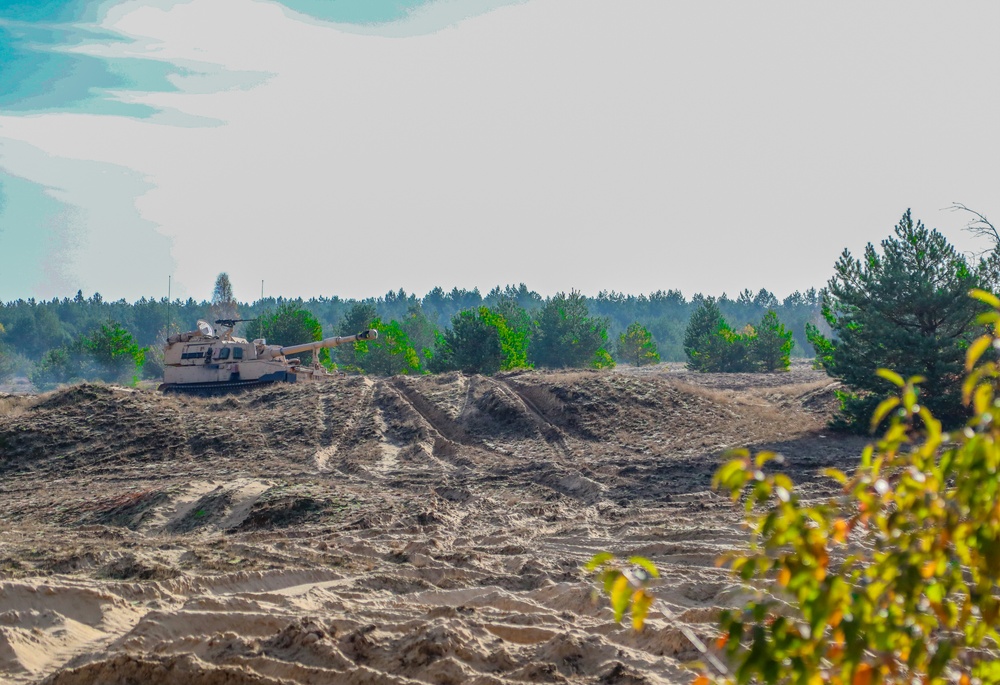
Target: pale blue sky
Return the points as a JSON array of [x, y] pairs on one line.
[[350, 147]]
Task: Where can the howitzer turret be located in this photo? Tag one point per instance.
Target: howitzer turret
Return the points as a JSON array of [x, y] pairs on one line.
[[205, 362]]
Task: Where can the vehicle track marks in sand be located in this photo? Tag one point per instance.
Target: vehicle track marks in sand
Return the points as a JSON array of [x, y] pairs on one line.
[[552, 433], [326, 451], [448, 437], [440, 542], [435, 418]]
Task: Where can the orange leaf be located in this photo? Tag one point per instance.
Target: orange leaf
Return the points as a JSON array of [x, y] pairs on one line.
[[862, 675], [840, 529], [784, 577], [641, 601], [700, 680]]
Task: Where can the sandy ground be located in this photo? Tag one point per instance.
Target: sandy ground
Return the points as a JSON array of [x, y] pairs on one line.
[[397, 530]]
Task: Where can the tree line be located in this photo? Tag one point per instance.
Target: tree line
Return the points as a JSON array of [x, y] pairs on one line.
[[53, 341]]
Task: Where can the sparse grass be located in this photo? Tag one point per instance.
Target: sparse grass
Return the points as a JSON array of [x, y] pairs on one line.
[[13, 406]]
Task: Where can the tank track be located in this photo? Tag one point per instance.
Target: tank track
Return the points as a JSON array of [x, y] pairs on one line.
[[210, 389]]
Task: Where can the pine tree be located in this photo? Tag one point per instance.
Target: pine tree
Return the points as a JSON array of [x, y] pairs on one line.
[[904, 309], [772, 347], [565, 335], [471, 345], [223, 302], [711, 345], [636, 346]]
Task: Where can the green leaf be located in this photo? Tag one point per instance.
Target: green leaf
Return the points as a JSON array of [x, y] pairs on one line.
[[608, 579]]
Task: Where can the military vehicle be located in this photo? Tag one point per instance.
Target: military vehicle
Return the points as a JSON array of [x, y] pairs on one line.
[[205, 361]]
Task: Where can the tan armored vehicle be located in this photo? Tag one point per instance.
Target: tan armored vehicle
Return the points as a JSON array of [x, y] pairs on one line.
[[207, 362]]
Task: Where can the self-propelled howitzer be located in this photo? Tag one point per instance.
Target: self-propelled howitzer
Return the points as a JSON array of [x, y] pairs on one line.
[[204, 362]]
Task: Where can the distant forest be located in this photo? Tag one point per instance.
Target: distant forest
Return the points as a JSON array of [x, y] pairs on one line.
[[30, 328]]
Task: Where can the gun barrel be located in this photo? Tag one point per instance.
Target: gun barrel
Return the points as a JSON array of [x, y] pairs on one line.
[[370, 334]]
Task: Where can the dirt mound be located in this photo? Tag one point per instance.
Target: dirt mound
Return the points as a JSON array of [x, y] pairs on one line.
[[175, 670], [396, 530], [129, 510], [284, 510]]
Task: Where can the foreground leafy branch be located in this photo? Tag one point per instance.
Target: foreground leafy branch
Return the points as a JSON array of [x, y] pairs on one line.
[[896, 578]]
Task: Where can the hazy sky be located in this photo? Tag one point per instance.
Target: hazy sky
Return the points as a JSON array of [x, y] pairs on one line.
[[350, 147]]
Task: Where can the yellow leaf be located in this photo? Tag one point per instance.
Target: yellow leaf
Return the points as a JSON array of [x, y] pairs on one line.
[[763, 457], [836, 474], [784, 577], [645, 564], [598, 559], [976, 349], [985, 297], [620, 593], [884, 407], [641, 601], [982, 398], [932, 425], [968, 385], [928, 569], [891, 376], [988, 317]]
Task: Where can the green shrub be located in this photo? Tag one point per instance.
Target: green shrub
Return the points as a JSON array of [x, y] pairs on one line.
[[115, 352], [711, 345], [471, 345], [480, 341], [565, 335], [58, 366], [12, 363], [822, 346], [390, 354]]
